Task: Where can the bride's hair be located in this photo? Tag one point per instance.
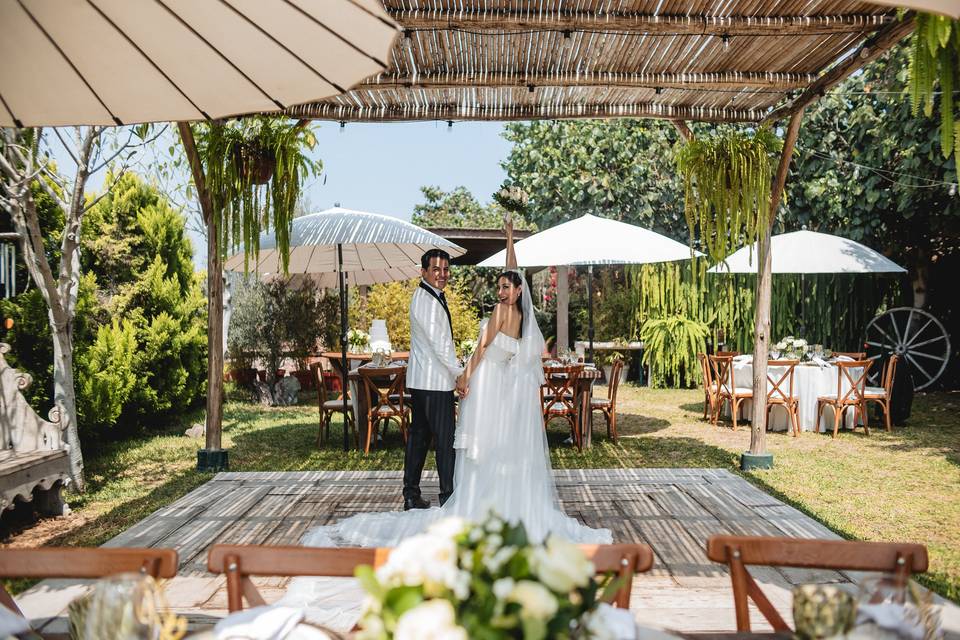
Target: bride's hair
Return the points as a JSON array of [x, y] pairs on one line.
[[516, 281]]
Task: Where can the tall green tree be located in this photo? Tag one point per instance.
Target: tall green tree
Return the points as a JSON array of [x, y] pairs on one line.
[[459, 209], [868, 169], [620, 169]]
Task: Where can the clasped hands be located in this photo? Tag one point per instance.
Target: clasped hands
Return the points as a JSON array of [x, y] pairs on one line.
[[462, 388]]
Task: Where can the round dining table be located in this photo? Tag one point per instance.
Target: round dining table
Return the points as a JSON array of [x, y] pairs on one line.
[[810, 381]]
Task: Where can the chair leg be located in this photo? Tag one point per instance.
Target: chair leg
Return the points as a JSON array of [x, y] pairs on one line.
[[576, 434], [866, 422], [320, 429], [820, 405], [735, 409], [886, 413], [613, 425], [795, 415], [837, 417], [371, 425]]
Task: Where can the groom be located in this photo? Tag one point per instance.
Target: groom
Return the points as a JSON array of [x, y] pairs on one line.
[[431, 378]]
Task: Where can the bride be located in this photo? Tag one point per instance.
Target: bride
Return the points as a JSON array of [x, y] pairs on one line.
[[502, 459]]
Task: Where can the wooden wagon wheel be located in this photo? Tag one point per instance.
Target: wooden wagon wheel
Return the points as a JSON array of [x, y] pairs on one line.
[[913, 334]]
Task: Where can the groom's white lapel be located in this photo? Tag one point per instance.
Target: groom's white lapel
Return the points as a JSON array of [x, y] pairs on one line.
[[433, 362]]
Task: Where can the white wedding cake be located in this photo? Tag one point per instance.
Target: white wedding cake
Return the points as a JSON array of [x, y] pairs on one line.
[[379, 340]]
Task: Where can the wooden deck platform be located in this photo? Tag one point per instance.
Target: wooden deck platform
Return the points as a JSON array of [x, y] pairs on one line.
[[673, 510]]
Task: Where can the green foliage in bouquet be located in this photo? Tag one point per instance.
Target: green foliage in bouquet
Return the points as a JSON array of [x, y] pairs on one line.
[[486, 582]]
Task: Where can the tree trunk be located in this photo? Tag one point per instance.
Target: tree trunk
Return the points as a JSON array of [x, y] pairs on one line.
[[65, 398], [215, 338], [761, 346]]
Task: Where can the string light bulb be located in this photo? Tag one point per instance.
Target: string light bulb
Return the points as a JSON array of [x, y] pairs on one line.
[[953, 189], [449, 126], [725, 39], [343, 126]]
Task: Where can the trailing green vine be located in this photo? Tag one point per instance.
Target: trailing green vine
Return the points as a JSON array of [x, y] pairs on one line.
[[254, 169], [934, 59], [672, 299], [727, 180]]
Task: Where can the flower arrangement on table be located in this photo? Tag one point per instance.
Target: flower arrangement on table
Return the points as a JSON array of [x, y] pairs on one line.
[[463, 580], [793, 348], [358, 340]]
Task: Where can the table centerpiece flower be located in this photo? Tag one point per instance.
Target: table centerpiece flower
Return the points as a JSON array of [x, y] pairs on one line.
[[464, 580], [792, 348], [358, 340]]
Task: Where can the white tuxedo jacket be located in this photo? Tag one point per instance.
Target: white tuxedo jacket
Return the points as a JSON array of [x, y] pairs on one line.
[[433, 362]]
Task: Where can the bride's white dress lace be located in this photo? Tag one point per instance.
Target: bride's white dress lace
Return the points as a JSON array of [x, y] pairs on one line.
[[502, 464]]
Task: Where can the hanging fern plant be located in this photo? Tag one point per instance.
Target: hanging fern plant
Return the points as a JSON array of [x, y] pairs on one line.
[[254, 170], [727, 180], [934, 59]]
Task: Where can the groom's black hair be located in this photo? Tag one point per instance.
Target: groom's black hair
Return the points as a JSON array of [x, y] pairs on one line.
[[430, 255], [516, 281]]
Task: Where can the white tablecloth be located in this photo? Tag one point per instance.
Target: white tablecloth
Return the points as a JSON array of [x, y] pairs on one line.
[[810, 381]]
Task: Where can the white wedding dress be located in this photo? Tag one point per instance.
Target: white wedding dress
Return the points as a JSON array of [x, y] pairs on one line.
[[502, 464], [502, 459]]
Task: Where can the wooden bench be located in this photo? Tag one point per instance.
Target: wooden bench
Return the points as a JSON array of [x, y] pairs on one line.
[[34, 460]]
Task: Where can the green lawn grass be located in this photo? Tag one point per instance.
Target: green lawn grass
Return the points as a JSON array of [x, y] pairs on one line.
[[899, 486]]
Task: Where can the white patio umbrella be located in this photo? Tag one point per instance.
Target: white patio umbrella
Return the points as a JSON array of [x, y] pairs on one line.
[[806, 252], [115, 62], [338, 246], [811, 252], [590, 240]]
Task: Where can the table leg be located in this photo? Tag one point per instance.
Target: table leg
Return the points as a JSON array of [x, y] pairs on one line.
[[359, 411], [586, 424]]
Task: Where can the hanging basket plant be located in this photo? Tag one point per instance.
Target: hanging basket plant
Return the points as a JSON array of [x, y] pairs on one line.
[[935, 59], [254, 170], [727, 179]]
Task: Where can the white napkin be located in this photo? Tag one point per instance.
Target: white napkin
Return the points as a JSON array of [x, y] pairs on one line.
[[610, 623], [890, 616], [844, 359], [12, 623], [819, 361], [260, 623], [743, 358]]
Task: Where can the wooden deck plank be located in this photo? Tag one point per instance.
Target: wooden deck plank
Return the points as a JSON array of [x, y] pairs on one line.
[[673, 510]]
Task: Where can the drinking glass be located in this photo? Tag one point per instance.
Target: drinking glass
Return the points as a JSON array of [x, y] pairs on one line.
[[124, 607], [774, 354]]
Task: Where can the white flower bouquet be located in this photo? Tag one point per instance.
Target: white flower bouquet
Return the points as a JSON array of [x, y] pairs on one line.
[[358, 340], [797, 347], [462, 580]]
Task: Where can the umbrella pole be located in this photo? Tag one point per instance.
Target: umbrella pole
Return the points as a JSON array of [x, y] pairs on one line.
[[343, 345], [590, 309]]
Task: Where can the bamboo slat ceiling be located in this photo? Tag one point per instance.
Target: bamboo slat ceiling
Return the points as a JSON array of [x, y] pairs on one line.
[[506, 60]]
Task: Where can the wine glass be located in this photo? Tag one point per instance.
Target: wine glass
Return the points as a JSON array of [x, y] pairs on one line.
[[124, 607]]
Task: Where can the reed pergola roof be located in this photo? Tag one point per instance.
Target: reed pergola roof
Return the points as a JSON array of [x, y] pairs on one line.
[[528, 59]]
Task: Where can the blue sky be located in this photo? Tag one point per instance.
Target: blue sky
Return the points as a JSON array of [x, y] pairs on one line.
[[378, 167]]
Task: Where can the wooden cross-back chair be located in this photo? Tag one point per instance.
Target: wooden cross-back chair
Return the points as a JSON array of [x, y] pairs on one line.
[[623, 559], [81, 562], [882, 394], [721, 368], [608, 406], [852, 397], [558, 396], [853, 355], [386, 399], [240, 562], [738, 552], [710, 398], [780, 392], [328, 406], [725, 354]]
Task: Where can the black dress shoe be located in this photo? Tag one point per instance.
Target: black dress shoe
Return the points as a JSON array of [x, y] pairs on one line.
[[415, 503]]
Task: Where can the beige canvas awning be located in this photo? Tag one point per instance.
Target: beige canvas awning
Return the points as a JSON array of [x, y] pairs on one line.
[[123, 61]]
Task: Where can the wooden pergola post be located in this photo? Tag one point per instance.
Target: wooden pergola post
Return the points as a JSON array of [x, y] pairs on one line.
[[757, 456], [213, 457], [563, 307]]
